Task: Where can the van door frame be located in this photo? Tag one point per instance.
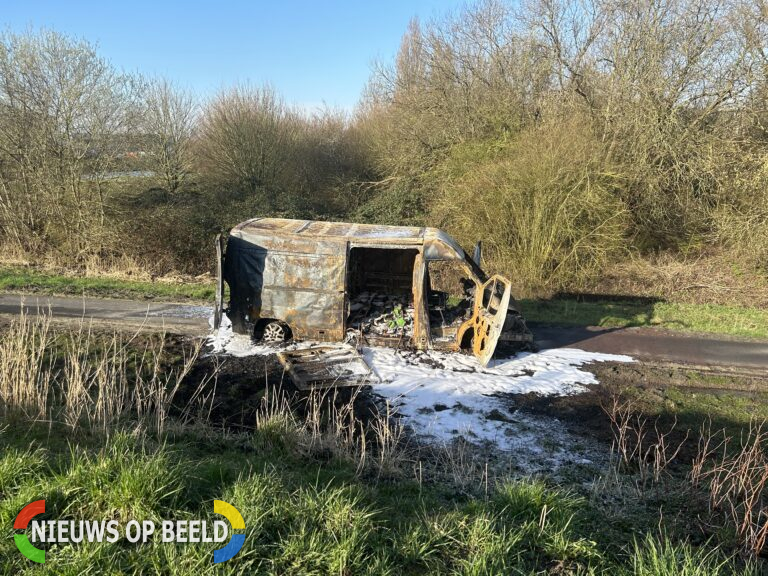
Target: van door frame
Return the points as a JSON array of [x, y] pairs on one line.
[[345, 296], [421, 336], [420, 339]]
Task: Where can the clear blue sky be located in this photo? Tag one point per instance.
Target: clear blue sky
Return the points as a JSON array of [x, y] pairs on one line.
[[311, 52]]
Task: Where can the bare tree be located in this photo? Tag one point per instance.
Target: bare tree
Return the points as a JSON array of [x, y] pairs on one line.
[[65, 116], [169, 123], [245, 136]]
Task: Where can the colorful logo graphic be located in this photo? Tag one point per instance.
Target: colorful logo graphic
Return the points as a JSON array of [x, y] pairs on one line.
[[21, 523], [187, 531], [236, 542]]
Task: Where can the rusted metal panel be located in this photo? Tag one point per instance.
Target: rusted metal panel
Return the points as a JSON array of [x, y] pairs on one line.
[[293, 244], [420, 313], [306, 292], [320, 229], [491, 304], [439, 246], [219, 282], [311, 314], [295, 271], [326, 366], [304, 271]]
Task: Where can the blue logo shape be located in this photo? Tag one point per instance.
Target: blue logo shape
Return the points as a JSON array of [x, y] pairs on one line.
[[236, 542]]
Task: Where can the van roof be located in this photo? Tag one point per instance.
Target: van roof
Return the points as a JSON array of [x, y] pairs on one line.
[[316, 228], [281, 233]]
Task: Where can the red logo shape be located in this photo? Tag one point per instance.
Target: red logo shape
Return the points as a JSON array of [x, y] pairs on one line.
[[26, 514]]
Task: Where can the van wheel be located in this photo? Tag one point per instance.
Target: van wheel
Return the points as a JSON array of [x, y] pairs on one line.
[[275, 332]]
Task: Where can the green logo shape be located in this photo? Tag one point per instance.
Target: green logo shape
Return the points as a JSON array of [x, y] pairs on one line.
[[26, 548]]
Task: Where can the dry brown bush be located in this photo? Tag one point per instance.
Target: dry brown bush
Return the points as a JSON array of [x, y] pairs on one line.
[[714, 276], [543, 204]]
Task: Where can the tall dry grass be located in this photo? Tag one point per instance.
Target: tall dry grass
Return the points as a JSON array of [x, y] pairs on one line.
[[736, 474], [26, 367], [81, 379], [325, 424]]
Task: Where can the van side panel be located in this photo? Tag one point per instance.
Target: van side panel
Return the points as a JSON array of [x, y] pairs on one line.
[[307, 292], [303, 287]]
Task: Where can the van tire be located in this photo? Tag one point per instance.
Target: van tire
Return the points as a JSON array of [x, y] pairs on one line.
[[275, 332]]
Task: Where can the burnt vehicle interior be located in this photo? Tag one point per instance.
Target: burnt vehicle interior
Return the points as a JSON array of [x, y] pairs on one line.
[[380, 294], [449, 300], [380, 290]]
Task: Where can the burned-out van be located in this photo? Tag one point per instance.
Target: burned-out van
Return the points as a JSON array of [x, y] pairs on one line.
[[395, 285]]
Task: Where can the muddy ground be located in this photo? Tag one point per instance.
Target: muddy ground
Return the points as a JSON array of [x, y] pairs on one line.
[[241, 383], [685, 395], [675, 396]]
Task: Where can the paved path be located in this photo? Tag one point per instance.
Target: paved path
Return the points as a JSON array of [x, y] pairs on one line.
[[184, 318], [642, 343], [661, 346]]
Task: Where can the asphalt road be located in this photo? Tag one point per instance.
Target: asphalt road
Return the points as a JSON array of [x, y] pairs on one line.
[[654, 345], [183, 318], [660, 346]]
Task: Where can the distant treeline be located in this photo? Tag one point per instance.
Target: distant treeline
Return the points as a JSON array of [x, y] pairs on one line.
[[565, 134]]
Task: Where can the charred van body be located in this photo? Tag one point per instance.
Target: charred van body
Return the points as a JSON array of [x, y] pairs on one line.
[[385, 284]]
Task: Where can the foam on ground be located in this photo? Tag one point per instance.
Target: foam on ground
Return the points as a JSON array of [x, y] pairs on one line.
[[442, 396]]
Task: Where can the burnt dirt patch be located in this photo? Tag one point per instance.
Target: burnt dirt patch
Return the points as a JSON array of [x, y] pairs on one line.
[[239, 384], [677, 398], [577, 425], [582, 414]]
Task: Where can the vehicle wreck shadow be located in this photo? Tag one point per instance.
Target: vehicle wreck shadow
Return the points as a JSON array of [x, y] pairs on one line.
[[568, 318], [554, 336]]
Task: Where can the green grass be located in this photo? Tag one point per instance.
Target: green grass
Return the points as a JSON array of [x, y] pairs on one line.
[[302, 516], [659, 557], [711, 318], [726, 411], [17, 279]]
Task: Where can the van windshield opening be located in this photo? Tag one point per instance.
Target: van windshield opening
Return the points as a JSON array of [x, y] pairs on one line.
[[450, 297]]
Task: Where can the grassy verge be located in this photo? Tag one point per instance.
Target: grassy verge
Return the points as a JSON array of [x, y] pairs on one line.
[[303, 515], [91, 425], [17, 279], [712, 318]]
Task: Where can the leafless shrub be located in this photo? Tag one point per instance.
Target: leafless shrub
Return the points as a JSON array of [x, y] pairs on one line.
[[731, 476], [737, 479], [65, 117], [323, 424], [202, 400], [710, 444], [245, 138], [638, 446], [169, 122]]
